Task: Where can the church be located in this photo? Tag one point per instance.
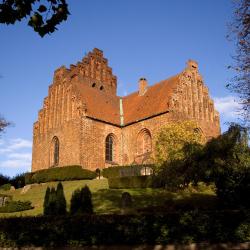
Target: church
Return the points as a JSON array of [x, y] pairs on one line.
[[84, 122]]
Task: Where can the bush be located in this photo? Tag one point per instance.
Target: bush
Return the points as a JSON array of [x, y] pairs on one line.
[[54, 201], [4, 179], [18, 181], [152, 229], [5, 187], [16, 206], [122, 171], [81, 201], [61, 174], [131, 182]]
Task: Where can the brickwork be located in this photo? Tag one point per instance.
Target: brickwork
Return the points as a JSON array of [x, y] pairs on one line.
[[82, 109]]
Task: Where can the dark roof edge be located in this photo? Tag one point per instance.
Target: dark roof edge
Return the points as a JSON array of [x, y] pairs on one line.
[[128, 124]]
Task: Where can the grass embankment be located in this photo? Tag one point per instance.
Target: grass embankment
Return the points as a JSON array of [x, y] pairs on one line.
[[107, 200]]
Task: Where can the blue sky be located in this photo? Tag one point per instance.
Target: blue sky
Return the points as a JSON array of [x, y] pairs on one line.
[[146, 38]]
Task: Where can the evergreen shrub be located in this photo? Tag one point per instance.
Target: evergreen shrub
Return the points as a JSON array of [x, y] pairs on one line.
[[66, 173], [54, 201], [81, 201]]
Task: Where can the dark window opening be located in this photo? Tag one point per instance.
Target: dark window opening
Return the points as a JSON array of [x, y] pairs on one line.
[[109, 148], [101, 88], [93, 85], [56, 151]]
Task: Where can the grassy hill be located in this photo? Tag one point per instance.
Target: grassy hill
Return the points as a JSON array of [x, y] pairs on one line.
[[107, 200]]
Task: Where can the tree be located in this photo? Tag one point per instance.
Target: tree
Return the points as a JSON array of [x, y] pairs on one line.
[[81, 201], [172, 139], [3, 124], [54, 201], [239, 31], [61, 201], [42, 18], [46, 202], [228, 159]]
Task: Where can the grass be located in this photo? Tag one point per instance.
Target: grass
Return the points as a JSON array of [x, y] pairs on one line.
[[107, 200]]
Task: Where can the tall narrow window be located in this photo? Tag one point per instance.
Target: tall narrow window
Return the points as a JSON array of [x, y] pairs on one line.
[[109, 145], [144, 142], [55, 151]]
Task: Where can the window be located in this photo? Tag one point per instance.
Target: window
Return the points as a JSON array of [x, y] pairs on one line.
[[55, 151], [144, 142], [101, 88], [109, 148], [93, 85]]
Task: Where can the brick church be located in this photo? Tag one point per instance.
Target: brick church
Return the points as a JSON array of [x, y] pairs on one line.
[[84, 122]]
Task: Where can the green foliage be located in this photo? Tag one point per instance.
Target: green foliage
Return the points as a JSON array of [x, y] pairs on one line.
[[122, 171], [227, 159], [131, 182], [18, 181], [5, 187], [16, 206], [81, 201], [61, 201], [61, 174], [4, 179], [54, 201], [149, 229], [42, 18], [172, 139]]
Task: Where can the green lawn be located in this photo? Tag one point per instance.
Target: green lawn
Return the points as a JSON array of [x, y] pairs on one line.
[[107, 200]]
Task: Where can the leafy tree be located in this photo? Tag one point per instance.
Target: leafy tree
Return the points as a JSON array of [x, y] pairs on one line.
[[239, 32], [81, 201], [43, 18], [173, 138], [228, 159]]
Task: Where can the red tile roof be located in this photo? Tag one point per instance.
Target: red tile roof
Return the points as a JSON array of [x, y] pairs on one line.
[[106, 107]]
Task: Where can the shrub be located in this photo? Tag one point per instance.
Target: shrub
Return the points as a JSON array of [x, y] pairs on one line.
[[54, 201], [4, 179], [16, 206], [28, 178], [81, 201], [62, 174], [18, 181], [131, 182], [5, 187], [149, 229], [122, 171]]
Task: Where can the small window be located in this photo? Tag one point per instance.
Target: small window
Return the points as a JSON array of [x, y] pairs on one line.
[[93, 85], [101, 88]]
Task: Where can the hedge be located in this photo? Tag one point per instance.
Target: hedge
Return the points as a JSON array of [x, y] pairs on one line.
[[193, 226], [16, 206], [122, 171], [59, 174], [131, 182]]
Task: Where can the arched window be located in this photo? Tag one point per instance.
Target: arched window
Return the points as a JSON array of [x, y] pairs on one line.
[[144, 142], [109, 148], [55, 151]]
